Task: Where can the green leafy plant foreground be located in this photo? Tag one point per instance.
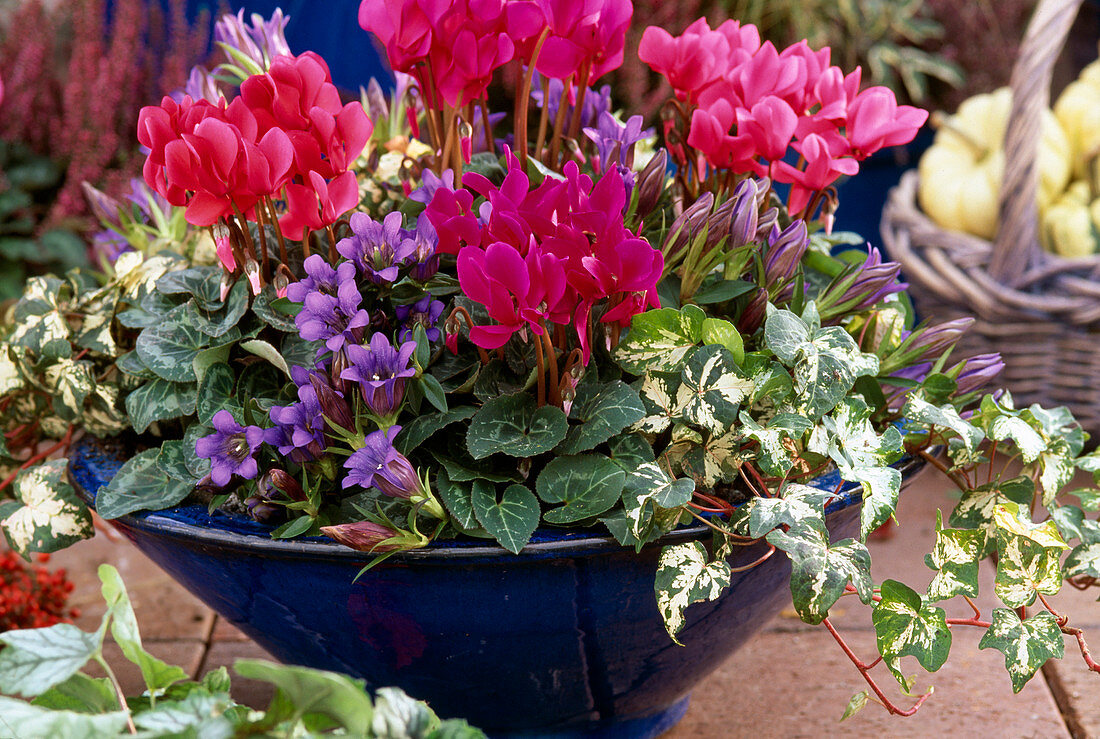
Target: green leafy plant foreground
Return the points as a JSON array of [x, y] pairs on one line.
[[45, 667]]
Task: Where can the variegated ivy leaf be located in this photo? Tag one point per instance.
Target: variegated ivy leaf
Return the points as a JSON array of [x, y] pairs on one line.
[[1026, 645], [826, 361], [1028, 560], [102, 415], [717, 460], [659, 340], [712, 390], [863, 456], [1072, 524], [961, 457], [10, 377], [1084, 560], [820, 570], [649, 495], [906, 625], [1063, 438], [684, 577], [71, 382], [46, 514], [95, 333], [920, 410], [775, 455], [955, 559], [39, 323], [658, 393], [795, 503], [770, 380], [655, 521], [975, 509], [1030, 443]]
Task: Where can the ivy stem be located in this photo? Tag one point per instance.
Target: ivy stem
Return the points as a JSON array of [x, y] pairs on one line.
[[38, 458], [120, 693], [865, 670], [761, 560], [955, 478], [1086, 654]]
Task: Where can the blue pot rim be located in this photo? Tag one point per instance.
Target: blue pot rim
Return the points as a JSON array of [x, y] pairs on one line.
[[218, 530]]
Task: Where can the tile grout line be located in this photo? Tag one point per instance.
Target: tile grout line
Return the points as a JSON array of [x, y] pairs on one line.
[[1063, 700]]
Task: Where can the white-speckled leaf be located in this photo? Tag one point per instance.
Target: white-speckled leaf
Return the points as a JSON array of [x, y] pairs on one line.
[[955, 557], [71, 382], [905, 625], [796, 503], [920, 410], [1030, 443], [820, 570], [659, 339], [712, 390], [1028, 561], [684, 577], [46, 514], [658, 394], [1026, 645]]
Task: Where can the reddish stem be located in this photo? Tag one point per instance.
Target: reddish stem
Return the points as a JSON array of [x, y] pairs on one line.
[[39, 457]]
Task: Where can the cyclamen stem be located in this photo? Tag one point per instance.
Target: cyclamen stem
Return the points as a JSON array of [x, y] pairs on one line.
[[332, 255], [552, 360], [541, 373], [263, 241], [544, 118], [578, 109], [523, 102], [559, 124], [865, 670], [460, 312], [278, 231], [490, 144]]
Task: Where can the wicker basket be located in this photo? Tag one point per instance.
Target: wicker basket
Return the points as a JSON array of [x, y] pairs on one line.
[[1039, 310]]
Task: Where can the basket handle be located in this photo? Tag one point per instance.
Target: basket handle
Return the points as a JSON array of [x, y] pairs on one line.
[[1017, 244]]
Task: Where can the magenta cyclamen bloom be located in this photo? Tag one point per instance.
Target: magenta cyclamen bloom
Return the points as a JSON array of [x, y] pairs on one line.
[[378, 249], [230, 449], [377, 464], [382, 373]]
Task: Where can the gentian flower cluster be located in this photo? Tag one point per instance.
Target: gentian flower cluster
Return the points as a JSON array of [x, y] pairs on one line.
[[743, 104]]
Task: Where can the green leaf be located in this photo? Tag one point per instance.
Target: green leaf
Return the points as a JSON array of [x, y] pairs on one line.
[[955, 557], [659, 340], [658, 392], [1028, 561], [124, 628], [1026, 645], [140, 485], [131, 364], [423, 427], [586, 484], [604, 411], [630, 451], [795, 503], [160, 400], [512, 520], [461, 473], [712, 390], [266, 351], [684, 576], [47, 515], [196, 715], [516, 426], [80, 693], [457, 497], [216, 391], [433, 391], [855, 704], [723, 333], [722, 291], [199, 467], [26, 720], [169, 348], [820, 570], [265, 306], [905, 625], [36, 660], [201, 283], [336, 696], [172, 461], [298, 352]]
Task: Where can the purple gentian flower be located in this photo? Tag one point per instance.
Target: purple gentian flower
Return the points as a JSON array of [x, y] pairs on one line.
[[146, 198], [424, 312], [261, 42], [427, 259], [785, 251], [874, 281], [615, 141], [330, 299], [378, 249], [230, 449], [108, 245], [377, 464], [596, 102], [976, 372], [429, 183], [201, 85], [299, 430], [382, 373], [932, 341]]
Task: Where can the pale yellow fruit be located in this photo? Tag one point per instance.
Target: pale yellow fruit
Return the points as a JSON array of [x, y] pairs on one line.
[[961, 173], [1078, 110], [1068, 227]]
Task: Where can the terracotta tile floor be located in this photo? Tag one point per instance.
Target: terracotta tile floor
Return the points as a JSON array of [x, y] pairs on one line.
[[790, 681]]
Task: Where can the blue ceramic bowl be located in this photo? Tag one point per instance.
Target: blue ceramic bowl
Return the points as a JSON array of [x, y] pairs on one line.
[[562, 639]]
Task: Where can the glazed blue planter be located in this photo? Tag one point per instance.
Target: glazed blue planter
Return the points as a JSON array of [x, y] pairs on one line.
[[560, 640]]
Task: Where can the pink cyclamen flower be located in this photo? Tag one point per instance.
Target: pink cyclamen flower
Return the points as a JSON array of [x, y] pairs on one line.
[[876, 120], [583, 32], [516, 291], [690, 61], [822, 169], [403, 26], [318, 204]]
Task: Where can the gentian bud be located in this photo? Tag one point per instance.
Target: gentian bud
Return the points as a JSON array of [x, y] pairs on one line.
[[753, 316], [333, 407], [286, 484], [651, 183], [687, 224], [367, 536]]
